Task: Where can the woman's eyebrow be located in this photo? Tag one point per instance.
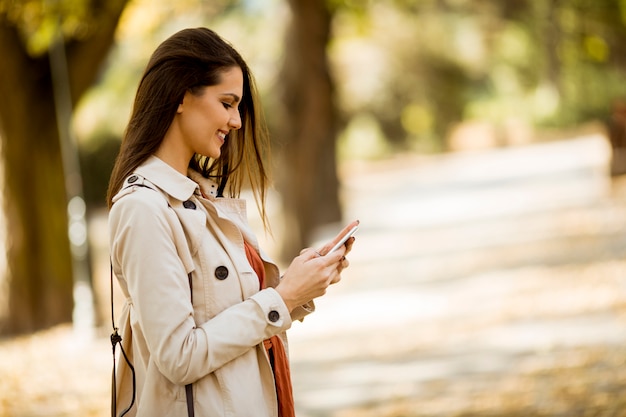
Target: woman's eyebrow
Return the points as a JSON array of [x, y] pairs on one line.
[[235, 97]]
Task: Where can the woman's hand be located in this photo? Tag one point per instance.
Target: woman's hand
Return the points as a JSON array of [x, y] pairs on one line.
[[348, 245], [309, 275]]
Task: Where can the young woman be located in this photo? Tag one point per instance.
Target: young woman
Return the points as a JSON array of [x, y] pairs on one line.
[[206, 312]]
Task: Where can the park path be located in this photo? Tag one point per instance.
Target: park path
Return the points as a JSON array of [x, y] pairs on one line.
[[485, 283], [472, 274]]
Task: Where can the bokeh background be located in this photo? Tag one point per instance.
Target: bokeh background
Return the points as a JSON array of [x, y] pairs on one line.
[[481, 143]]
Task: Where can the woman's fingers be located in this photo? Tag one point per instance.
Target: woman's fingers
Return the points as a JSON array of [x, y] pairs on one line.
[[349, 244], [328, 246], [336, 277], [344, 264], [309, 275]]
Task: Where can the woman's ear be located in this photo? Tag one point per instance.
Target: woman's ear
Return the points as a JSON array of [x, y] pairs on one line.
[[180, 106]]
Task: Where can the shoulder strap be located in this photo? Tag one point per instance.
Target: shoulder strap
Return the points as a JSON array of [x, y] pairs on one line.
[[189, 387], [116, 339]]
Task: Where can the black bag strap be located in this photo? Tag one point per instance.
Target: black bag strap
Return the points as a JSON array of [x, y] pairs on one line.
[[116, 339], [189, 387]]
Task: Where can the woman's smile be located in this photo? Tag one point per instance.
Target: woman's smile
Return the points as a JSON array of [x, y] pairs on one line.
[[222, 135]]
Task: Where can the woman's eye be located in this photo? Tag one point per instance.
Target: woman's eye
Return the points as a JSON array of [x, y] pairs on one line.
[[227, 105]]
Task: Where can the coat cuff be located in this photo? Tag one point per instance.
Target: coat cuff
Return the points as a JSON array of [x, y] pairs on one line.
[[274, 309], [300, 312]]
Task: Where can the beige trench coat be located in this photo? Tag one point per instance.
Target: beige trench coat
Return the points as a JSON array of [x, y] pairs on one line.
[[161, 230]]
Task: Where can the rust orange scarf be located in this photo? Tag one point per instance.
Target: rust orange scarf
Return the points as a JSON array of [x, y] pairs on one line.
[[275, 349]]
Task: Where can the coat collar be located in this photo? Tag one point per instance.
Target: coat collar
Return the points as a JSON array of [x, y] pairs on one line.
[[182, 188], [167, 178], [208, 186]]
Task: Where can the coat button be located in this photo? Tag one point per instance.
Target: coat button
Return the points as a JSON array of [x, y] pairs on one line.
[[221, 273], [273, 316], [189, 204], [133, 178]]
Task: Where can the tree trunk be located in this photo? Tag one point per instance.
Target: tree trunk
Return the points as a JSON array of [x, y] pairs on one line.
[[308, 176], [39, 261]]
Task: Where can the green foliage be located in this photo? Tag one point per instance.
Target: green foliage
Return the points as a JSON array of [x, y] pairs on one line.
[[411, 80], [422, 67], [38, 20]]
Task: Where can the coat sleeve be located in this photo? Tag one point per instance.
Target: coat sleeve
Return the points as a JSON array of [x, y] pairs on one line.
[[144, 253]]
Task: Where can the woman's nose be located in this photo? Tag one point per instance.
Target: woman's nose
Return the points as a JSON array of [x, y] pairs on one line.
[[235, 121]]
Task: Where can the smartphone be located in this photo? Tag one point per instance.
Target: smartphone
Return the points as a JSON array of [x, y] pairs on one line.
[[343, 239]]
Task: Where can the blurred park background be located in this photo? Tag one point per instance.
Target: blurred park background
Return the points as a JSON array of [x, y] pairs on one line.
[[481, 143]]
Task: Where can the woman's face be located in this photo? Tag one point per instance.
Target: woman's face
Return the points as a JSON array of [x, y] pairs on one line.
[[206, 116]]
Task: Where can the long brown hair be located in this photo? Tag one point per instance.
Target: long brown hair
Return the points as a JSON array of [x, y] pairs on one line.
[[188, 60]]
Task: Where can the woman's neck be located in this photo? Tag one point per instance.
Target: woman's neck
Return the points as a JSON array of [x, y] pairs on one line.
[[172, 153]]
